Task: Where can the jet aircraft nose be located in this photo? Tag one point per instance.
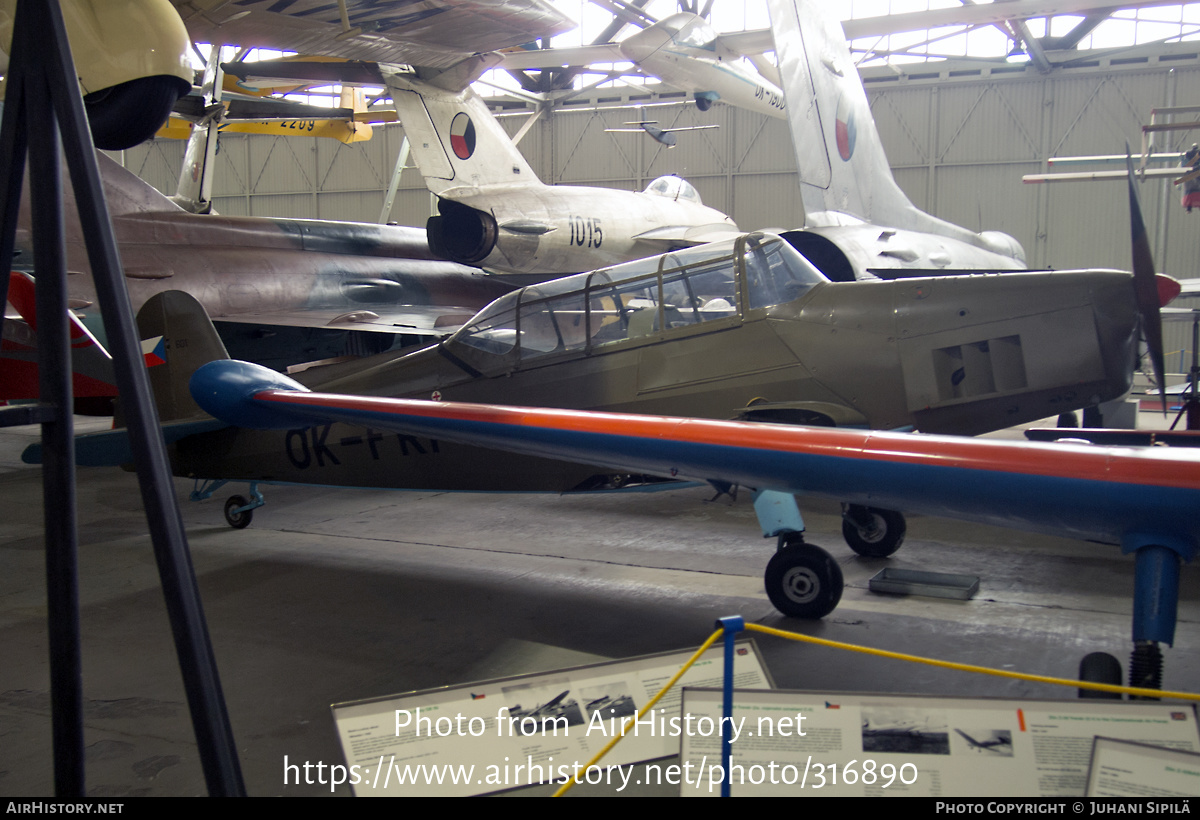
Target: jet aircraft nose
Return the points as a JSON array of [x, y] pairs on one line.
[[644, 44]]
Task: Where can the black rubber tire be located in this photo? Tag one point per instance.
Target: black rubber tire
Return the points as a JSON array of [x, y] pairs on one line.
[[803, 582], [130, 113], [239, 521], [889, 535], [1069, 419], [1100, 667]]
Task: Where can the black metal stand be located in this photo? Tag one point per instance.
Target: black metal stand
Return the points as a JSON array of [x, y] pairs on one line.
[[42, 96], [1190, 411]]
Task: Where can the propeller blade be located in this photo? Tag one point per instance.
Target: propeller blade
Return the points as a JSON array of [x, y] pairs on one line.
[[1145, 286]]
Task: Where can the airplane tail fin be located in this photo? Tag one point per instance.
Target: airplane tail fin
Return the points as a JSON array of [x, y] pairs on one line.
[[840, 157], [355, 99], [193, 341], [194, 190], [843, 169], [454, 139], [175, 324]]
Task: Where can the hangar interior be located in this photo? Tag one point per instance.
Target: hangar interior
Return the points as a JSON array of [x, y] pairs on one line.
[[338, 594]]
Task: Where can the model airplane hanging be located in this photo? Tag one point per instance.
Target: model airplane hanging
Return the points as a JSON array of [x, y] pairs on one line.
[[682, 51], [664, 136]]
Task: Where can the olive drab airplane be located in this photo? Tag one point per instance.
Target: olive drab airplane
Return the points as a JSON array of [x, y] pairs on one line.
[[675, 334], [744, 328]]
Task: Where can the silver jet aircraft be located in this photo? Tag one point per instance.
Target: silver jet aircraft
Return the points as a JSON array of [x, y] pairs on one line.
[[857, 221], [494, 212]]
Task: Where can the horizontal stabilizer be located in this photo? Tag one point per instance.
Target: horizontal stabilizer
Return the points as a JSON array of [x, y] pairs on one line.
[[111, 448]]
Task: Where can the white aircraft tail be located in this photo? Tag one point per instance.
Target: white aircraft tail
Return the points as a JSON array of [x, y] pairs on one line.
[[455, 140], [843, 169], [194, 190]]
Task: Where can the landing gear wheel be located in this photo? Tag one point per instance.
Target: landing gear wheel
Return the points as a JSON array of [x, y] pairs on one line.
[[1100, 667], [872, 532], [237, 520], [1068, 420], [803, 582]]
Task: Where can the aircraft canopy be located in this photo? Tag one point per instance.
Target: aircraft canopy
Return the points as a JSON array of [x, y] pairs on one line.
[[698, 285], [673, 187]]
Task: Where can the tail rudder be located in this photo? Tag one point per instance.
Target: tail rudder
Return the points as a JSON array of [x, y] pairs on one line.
[[175, 324], [838, 152], [455, 140], [193, 192]]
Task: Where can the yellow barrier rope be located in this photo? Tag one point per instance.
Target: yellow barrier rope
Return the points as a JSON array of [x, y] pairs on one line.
[[703, 648], [881, 653], [966, 667]]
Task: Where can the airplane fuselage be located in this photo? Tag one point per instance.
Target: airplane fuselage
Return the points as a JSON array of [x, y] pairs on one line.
[[272, 273], [569, 229], [683, 51]]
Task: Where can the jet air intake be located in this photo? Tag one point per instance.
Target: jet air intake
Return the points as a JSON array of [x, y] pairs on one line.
[[461, 233]]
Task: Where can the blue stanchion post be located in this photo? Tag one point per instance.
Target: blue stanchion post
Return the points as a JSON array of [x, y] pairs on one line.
[[732, 624]]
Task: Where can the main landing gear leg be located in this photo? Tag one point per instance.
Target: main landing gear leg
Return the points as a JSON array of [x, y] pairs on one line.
[[238, 511], [802, 581], [1155, 604]]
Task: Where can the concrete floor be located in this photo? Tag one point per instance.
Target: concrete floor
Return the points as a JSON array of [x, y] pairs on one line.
[[336, 595]]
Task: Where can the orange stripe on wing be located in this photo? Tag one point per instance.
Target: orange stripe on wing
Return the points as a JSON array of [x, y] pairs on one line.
[[1143, 467]]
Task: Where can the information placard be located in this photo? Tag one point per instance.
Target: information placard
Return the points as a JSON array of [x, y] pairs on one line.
[[838, 745], [528, 730]]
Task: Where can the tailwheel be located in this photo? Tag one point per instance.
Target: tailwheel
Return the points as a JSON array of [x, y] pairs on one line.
[[872, 532], [235, 515], [803, 581]]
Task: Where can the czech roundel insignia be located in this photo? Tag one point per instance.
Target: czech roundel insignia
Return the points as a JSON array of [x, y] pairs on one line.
[[462, 136], [845, 128], [154, 351]]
